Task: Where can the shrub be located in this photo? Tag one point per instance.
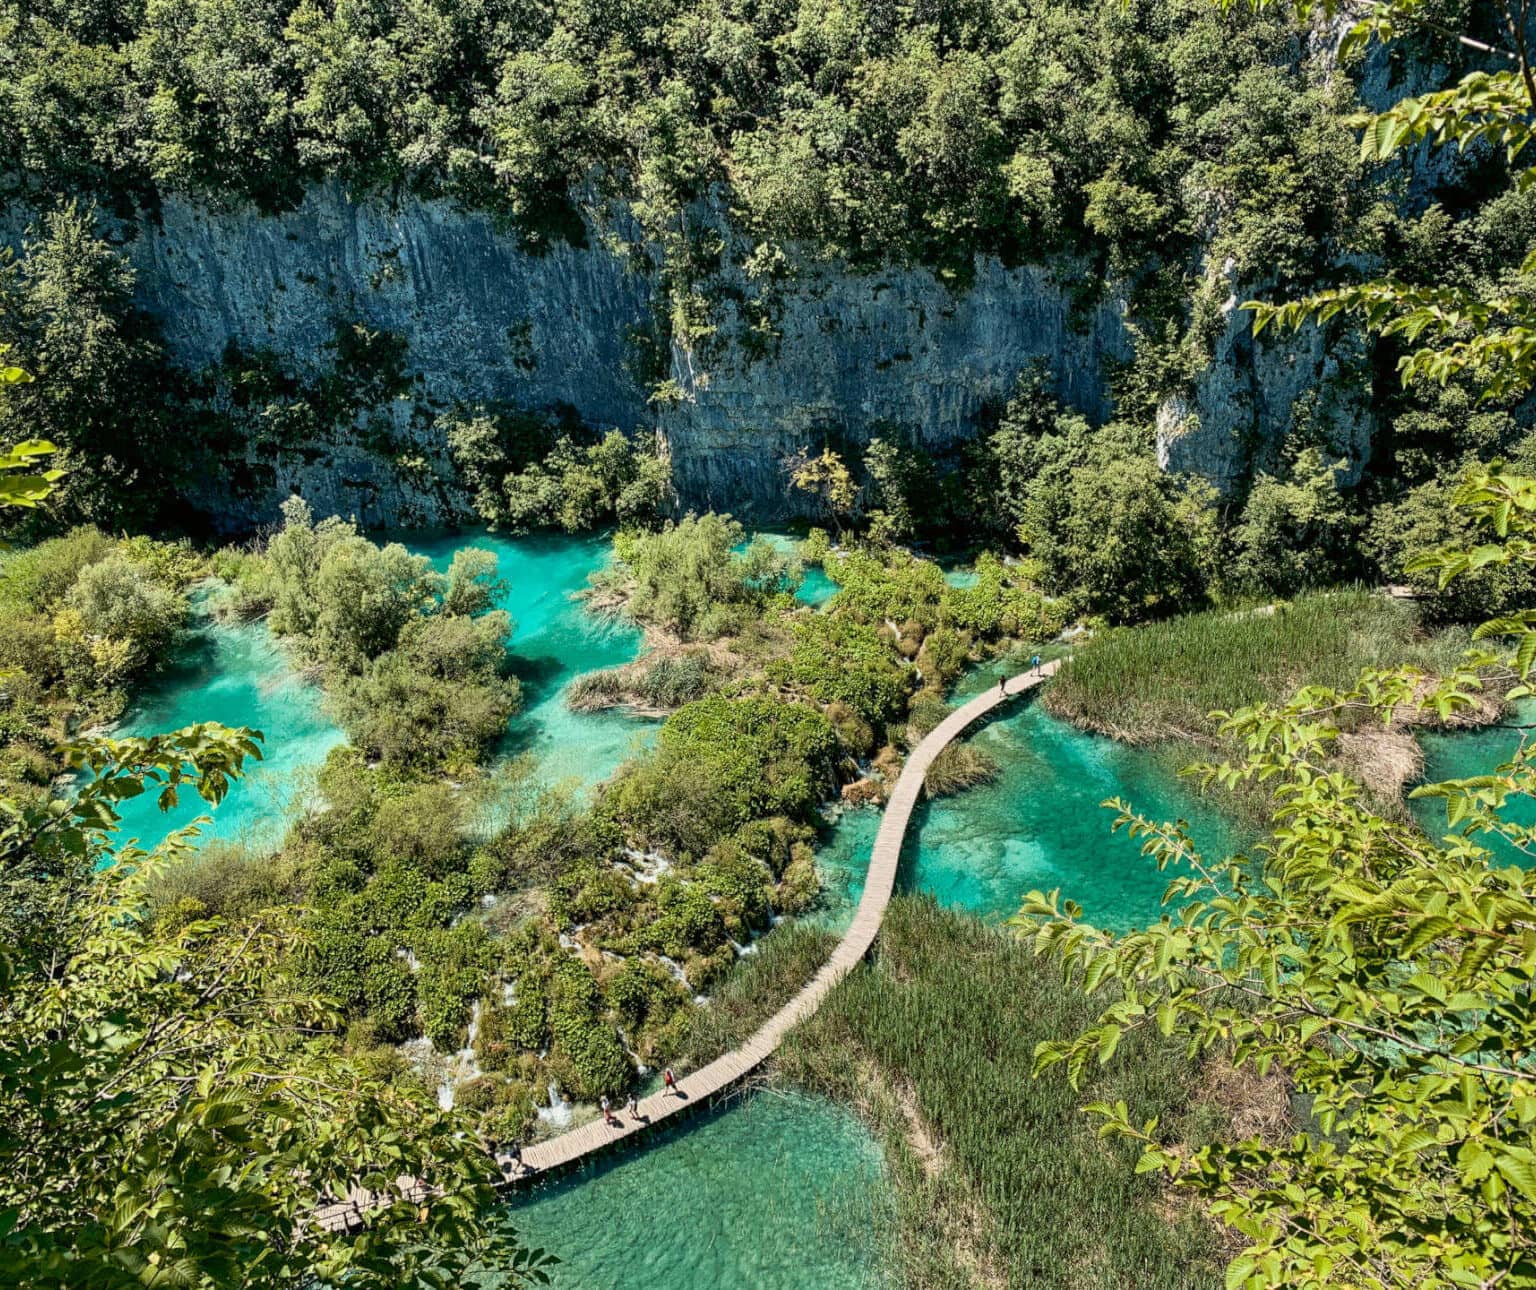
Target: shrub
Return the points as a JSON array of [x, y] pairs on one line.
[[644, 994], [122, 601], [585, 1049], [409, 719], [836, 659], [690, 580], [587, 891], [769, 757], [583, 487], [40, 576], [998, 605], [894, 587], [454, 963]]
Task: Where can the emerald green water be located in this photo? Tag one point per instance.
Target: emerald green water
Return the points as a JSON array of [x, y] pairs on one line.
[[554, 640], [1039, 824], [237, 675], [778, 1193], [1464, 754]]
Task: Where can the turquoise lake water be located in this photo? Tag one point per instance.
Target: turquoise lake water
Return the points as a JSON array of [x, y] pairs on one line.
[[1038, 825], [778, 1193], [237, 675], [554, 640], [1464, 754]]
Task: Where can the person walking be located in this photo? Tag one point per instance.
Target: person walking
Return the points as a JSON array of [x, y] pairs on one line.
[[1035, 663], [633, 1107], [670, 1080], [1002, 685], [607, 1114]]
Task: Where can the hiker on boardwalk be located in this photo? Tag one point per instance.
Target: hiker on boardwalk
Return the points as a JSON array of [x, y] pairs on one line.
[[1035, 664], [1002, 685], [633, 1107], [670, 1080], [607, 1114]]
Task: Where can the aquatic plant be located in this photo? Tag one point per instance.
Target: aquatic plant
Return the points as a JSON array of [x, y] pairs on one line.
[[1164, 679], [998, 1175]]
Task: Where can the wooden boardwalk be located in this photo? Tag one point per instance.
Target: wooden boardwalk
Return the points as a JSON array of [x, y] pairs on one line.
[[723, 1072]]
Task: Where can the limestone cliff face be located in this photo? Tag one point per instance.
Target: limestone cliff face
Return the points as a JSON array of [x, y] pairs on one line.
[[1255, 389], [484, 320]]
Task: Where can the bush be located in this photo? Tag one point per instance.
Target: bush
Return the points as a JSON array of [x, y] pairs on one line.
[[690, 580], [897, 587], [836, 659], [644, 994], [121, 601], [720, 763], [577, 487], [40, 576], [585, 1049], [408, 718], [997, 605], [454, 963]]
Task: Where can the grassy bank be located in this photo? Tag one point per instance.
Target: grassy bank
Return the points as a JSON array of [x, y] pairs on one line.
[[1162, 680], [761, 983], [1000, 1179]]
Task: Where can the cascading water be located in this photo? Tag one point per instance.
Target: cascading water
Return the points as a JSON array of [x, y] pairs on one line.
[[558, 1113]]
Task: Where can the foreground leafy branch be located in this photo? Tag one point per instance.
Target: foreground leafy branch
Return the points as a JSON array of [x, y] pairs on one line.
[[172, 1108], [1388, 975]]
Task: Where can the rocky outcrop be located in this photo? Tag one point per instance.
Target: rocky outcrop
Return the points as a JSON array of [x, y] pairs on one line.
[[1252, 390], [845, 354], [486, 321]]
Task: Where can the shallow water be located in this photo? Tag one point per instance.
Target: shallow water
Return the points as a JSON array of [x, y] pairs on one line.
[[1465, 754], [235, 674], [816, 588], [554, 640], [778, 1193], [1038, 825], [239, 675]]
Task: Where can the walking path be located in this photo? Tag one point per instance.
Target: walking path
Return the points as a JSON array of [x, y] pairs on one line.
[[726, 1071], [878, 886]]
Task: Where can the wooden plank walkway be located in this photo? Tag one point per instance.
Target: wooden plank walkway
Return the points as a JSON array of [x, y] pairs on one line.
[[721, 1074]]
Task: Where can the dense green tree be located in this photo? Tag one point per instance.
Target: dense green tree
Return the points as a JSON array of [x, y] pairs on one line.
[[693, 578], [167, 1115], [1117, 534], [1297, 529], [100, 390]]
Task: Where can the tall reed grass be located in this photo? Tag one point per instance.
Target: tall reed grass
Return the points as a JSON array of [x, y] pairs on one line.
[[1162, 680], [780, 964], [1015, 1180]]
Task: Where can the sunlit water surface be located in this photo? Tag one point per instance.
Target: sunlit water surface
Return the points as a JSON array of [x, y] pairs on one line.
[[239, 675], [778, 1193]]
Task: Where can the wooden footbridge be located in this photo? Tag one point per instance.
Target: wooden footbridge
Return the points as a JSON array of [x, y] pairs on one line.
[[696, 1089]]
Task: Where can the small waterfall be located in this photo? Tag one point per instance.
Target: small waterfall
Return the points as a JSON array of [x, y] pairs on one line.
[[648, 866], [558, 1113]]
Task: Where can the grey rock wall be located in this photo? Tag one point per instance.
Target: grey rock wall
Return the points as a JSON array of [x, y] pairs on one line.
[[487, 321]]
